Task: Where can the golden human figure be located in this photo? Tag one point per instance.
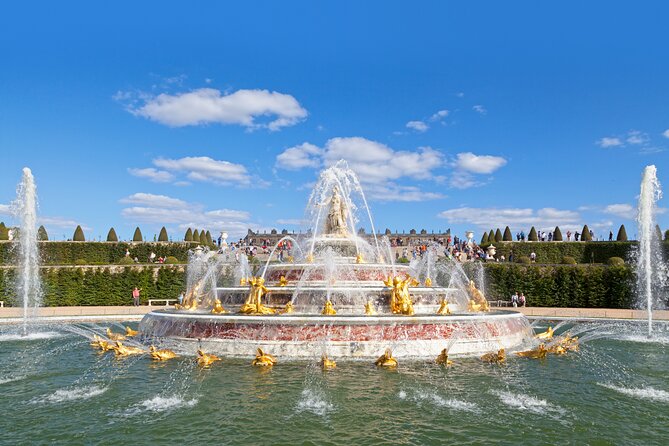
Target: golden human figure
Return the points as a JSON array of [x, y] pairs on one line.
[[443, 307], [253, 304], [478, 302], [218, 308], [400, 300], [328, 309]]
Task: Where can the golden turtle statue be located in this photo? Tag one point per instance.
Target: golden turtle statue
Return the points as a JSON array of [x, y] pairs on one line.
[[442, 359], [386, 360], [161, 355], [263, 359]]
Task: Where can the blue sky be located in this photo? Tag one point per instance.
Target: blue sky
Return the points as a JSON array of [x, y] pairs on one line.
[[465, 115]]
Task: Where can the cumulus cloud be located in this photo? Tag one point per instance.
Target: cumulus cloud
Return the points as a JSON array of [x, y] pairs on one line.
[[48, 222], [155, 175], [666, 133], [623, 210], [211, 106], [203, 168], [5, 209], [517, 218], [481, 164], [418, 126], [395, 192], [438, 116], [300, 157], [609, 141], [162, 201], [636, 137], [480, 109]]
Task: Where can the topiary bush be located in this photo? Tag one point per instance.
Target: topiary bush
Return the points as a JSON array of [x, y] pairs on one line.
[[557, 234], [585, 234], [78, 235], [42, 235], [196, 236], [622, 234], [615, 261], [402, 260], [126, 261], [4, 232], [208, 237], [171, 260], [162, 237], [532, 236], [484, 239], [525, 260], [568, 260], [137, 236], [491, 236], [189, 235], [507, 237], [498, 236], [111, 235]]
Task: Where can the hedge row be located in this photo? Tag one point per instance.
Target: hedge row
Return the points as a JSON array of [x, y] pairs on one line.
[[582, 252], [99, 253], [100, 286], [591, 286]]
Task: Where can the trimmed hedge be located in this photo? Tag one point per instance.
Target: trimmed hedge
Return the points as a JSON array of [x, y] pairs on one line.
[[162, 237], [592, 286], [622, 234], [42, 234], [79, 235], [583, 252], [111, 236]]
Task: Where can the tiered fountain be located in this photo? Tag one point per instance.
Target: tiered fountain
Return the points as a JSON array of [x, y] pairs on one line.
[[341, 296]]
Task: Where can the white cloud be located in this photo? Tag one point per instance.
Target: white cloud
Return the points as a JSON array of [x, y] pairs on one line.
[[438, 116], [290, 221], [155, 175], [418, 126], [395, 192], [203, 168], [622, 210], [162, 201], [460, 94], [609, 141], [517, 218], [480, 109], [636, 137], [299, 157], [5, 209], [61, 223], [481, 164], [209, 106], [666, 133]]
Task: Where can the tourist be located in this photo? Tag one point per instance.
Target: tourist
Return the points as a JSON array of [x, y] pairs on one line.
[[514, 299], [576, 236], [610, 236], [521, 300], [181, 298], [152, 257], [569, 236], [533, 257], [135, 296], [511, 257], [127, 252]]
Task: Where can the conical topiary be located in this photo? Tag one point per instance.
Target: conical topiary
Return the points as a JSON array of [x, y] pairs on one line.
[[196, 236], [585, 234], [41, 234], [498, 235], [189, 235], [111, 235], [622, 234], [507, 237], [557, 234], [4, 232], [666, 235], [491, 236], [79, 235], [137, 236], [484, 239], [209, 240], [658, 232], [162, 237], [532, 236]]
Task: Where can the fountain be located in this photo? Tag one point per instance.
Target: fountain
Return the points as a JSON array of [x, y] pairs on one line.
[[341, 297], [649, 261], [28, 284]]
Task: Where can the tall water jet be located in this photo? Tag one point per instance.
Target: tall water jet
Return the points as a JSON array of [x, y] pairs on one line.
[[28, 285], [649, 256]]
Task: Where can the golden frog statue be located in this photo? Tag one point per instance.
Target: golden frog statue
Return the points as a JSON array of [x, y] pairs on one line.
[[263, 359], [557, 349], [253, 304], [386, 360], [287, 309], [129, 332], [495, 358], [115, 336], [428, 282], [570, 343], [369, 309], [400, 300], [206, 359], [536, 353], [546, 335], [283, 281], [243, 281], [327, 363], [479, 301], [161, 355], [218, 308], [328, 309], [442, 359], [100, 343], [443, 307], [124, 350]]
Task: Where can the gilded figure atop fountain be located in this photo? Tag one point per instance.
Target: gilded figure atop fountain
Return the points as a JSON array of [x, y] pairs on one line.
[[253, 304], [335, 224], [400, 300]]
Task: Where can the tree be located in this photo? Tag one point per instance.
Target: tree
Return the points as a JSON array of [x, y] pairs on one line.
[[137, 236], [484, 239], [4, 232], [585, 234], [79, 235], [189, 235], [209, 240], [666, 235], [532, 236], [658, 232], [196, 236], [111, 235], [507, 237], [41, 234], [622, 234], [162, 237], [491, 236], [557, 234], [498, 235]]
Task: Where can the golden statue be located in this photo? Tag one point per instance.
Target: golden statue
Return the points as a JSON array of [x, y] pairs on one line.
[[359, 259], [328, 309], [161, 355], [115, 336], [253, 304], [400, 300], [283, 281], [124, 350], [205, 359], [546, 335], [327, 363], [557, 349], [218, 308], [129, 332], [428, 282], [100, 343], [242, 281], [570, 343], [287, 309], [443, 307], [476, 295], [263, 359], [335, 222], [473, 307], [309, 258], [369, 309], [442, 359], [495, 358], [536, 353], [386, 360], [191, 298]]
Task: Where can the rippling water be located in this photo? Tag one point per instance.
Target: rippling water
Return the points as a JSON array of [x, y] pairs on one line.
[[56, 390]]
